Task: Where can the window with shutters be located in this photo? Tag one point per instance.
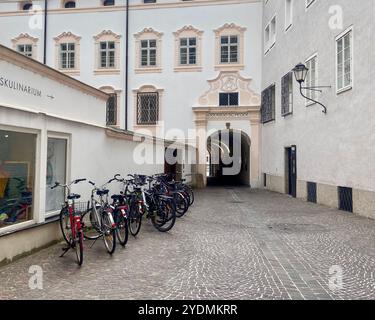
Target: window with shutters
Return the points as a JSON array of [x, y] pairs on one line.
[[287, 94], [147, 108], [268, 104]]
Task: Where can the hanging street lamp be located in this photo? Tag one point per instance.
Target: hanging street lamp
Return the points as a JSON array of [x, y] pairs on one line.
[[300, 73]]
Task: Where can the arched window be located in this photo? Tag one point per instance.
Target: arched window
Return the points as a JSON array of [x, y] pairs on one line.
[[107, 3], [25, 6], [69, 4]]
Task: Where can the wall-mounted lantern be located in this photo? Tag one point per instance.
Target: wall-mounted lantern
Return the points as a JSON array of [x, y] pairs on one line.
[[300, 73]]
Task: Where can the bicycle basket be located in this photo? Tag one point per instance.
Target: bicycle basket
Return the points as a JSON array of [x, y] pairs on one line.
[[81, 207]]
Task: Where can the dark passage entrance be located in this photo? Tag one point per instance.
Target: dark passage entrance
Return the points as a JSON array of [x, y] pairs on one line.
[[291, 170], [228, 159]]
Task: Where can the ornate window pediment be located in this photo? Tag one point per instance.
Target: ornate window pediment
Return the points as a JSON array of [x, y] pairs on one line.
[[107, 53], [67, 53], [148, 51], [188, 49], [26, 45], [229, 51]]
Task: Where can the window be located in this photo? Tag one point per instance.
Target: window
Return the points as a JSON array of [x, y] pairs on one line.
[[230, 47], [188, 51], [268, 104], [270, 35], [228, 99], [67, 56], [148, 51], [25, 6], [147, 108], [107, 3], [26, 45], [112, 110], [107, 54], [17, 176], [344, 62], [312, 78], [69, 4], [288, 14], [25, 49], [56, 171], [188, 42], [287, 94], [67, 53]]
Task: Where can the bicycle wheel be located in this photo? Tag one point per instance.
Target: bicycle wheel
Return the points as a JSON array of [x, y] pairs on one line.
[[190, 192], [65, 225], [135, 220], [165, 217], [79, 247], [91, 224], [182, 204], [109, 233], [122, 229]]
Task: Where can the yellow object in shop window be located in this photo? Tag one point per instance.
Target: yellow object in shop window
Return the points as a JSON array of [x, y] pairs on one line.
[[4, 178]]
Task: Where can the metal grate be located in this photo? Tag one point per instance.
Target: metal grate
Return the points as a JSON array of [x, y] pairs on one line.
[[311, 192], [228, 99], [147, 108], [268, 104], [112, 110], [345, 199]]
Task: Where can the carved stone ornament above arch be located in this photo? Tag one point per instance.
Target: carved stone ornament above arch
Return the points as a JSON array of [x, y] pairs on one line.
[[230, 81], [67, 34], [190, 29]]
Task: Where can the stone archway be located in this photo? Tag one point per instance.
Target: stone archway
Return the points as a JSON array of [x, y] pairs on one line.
[[210, 117]]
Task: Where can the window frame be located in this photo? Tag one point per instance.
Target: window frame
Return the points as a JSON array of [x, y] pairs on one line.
[[312, 94], [67, 138], [37, 214], [350, 31]]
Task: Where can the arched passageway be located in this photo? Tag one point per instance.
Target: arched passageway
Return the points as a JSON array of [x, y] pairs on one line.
[[228, 158]]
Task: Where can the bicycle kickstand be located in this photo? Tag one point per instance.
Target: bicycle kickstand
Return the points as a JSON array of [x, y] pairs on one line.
[[65, 250]]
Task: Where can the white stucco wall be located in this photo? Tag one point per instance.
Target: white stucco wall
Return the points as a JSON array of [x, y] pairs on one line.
[[337, 148]]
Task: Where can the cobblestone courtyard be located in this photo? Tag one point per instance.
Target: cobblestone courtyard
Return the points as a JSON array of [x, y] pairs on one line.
[[234, 243]]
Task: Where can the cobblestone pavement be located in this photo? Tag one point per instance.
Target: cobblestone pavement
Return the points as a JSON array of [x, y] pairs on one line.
[[233, 244]]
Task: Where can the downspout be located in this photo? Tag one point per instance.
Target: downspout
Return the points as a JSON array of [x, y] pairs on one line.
[[45, 32], [126, 64]]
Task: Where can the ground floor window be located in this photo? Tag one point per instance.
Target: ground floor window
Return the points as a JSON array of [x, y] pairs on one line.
[[56, 171], [17, 174]]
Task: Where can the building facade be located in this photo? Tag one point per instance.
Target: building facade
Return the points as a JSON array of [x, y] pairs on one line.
[[325, 158], [224, 68], [186, 60]]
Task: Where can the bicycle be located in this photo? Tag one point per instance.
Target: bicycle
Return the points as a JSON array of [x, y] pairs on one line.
[[98, 218], [70, 222]]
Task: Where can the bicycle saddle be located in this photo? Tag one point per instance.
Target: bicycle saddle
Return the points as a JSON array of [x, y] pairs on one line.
[[118, 197], [74, 196], [102, 192]]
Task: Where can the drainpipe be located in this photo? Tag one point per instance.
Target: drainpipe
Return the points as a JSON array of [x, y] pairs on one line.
[[45, 32], [126, 64]]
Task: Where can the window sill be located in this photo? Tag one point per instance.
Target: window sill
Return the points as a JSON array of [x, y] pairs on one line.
[[287, 115], [188, 69], [148, 70], [107, 71], [229, 67], [6, 231], [70, 72], [338, 92]]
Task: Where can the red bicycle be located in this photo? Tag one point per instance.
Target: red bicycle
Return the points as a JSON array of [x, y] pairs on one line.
[[71, 222]]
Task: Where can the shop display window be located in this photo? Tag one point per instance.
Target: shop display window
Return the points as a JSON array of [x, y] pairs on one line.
[[17, 175]]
